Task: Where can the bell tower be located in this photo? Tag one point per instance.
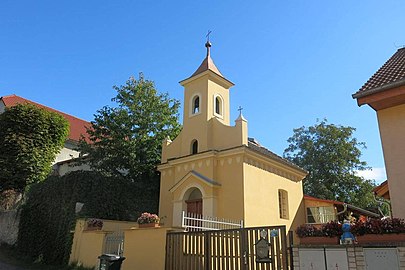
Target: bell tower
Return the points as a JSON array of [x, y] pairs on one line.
[[206, 97]]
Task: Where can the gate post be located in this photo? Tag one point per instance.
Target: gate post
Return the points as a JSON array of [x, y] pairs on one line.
[[207, 251], [243, 249], [284, 247]]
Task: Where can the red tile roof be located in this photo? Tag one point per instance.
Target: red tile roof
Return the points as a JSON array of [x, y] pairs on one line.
[[391, 74], [77, 126]]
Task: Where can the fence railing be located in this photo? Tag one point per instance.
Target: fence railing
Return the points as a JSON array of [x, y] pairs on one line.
[[114, 243], [234, 249], [196, 222]]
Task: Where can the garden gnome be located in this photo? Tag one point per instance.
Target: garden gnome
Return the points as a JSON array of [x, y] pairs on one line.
[[347, 237]]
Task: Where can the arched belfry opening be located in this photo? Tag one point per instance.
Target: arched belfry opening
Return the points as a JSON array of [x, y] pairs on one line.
[[194, 201], [194, 147], [196, 105], [218, 105]]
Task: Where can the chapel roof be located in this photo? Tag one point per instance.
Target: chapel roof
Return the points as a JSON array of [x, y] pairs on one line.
[[390, 75], [254, 145], [208, 64], [77, 126]]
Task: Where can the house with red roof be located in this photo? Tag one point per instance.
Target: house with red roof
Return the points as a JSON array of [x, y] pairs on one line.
[[77, 128], [385, 93]]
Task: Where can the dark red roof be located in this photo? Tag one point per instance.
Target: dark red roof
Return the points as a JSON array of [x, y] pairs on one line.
[[77, 126], [390, 74], [307, 197]]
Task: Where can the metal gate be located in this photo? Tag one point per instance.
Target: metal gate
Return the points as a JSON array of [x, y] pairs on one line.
[[114, 243], [235, 249]]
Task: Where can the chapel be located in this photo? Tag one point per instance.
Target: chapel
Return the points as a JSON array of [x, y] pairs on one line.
[[213, 169]]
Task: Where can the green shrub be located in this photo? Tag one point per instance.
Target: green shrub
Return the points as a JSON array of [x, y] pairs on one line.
[[48, 217]]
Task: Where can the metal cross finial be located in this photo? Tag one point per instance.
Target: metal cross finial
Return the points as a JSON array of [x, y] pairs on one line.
[[208, 35], [208, 43], [240, 109]]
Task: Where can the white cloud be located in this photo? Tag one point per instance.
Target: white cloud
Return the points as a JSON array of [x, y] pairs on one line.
[[378, 174]]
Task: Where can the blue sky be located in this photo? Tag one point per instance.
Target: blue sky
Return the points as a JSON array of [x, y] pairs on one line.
[[292, 62]]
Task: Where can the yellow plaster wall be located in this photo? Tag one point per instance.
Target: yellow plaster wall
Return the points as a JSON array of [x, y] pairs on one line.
[[392, 131], [213, 89], [312, 203], [174, 173], [226, 169], [212, 135], [224, 137], [261, 199], [87, 246], [190, 90], [116, 225], [145, 249], [229, 172]]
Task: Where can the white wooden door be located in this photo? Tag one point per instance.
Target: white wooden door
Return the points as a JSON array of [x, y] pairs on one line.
[[381, 258], [336, 259], [312, 259]]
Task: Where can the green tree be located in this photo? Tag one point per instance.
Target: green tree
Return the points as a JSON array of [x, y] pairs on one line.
[[30, 138], [331, 155], [126, 140]]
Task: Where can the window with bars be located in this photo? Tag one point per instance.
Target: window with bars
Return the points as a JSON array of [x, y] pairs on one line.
[[283, 203]]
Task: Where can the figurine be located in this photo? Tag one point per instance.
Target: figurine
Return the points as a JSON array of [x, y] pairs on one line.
[[347, 237]]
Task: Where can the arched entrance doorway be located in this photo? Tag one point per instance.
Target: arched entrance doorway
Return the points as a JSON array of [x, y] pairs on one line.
[[194, 202]]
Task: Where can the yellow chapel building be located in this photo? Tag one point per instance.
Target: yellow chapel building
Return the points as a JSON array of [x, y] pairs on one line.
[[213, 169]]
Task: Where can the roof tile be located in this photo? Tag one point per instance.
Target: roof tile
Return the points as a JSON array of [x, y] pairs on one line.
[[393, 71]]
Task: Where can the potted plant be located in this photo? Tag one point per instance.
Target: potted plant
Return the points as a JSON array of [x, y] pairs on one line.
[[379, 230], [325, 234], [388, 230], [148, 220], [94, 224]]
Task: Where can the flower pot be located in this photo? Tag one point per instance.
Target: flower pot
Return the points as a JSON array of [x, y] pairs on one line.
[[149, 225], [381, 238], [319, 240]]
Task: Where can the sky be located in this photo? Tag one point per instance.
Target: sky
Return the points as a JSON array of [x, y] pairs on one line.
[[292, 62]]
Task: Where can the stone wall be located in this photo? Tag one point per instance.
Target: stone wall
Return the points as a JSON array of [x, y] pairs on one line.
[[9, 221]]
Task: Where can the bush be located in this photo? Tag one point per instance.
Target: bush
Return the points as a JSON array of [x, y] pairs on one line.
[[371, 226], [379, 226], [330, 229], [48, 216]]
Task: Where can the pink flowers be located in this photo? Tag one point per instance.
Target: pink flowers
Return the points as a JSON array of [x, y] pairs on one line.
[[148, 218]]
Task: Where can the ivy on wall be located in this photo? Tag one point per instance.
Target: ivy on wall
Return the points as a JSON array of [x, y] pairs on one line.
[[48, 216]]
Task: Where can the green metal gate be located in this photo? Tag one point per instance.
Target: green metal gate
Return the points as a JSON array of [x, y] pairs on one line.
[[235, 249]]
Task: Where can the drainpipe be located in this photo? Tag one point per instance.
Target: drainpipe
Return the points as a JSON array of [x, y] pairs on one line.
[[381, 202], [344, 210]]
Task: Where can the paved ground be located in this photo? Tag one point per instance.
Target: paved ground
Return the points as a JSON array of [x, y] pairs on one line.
[[4, 266]]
